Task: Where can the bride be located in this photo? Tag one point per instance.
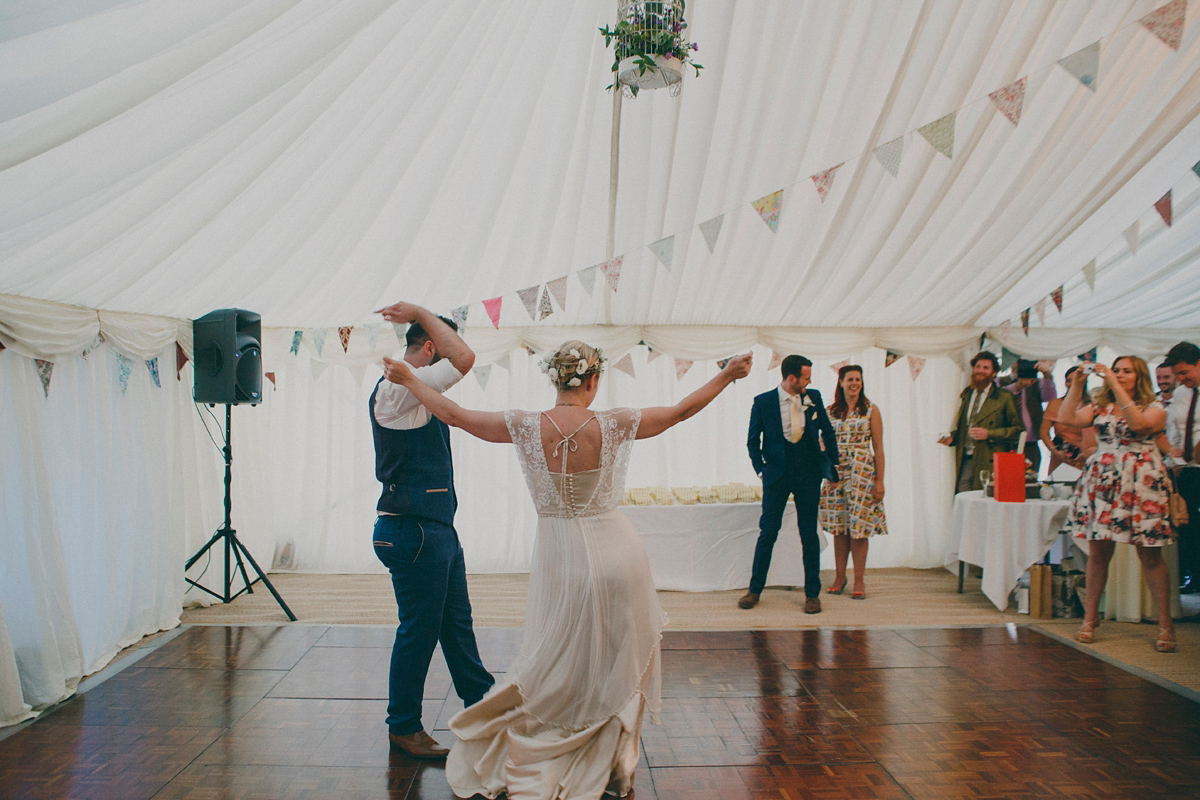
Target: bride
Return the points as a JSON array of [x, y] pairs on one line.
[[567, 720]]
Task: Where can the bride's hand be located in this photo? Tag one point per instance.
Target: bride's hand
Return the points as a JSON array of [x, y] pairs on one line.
[[739, 366], [397, 371]]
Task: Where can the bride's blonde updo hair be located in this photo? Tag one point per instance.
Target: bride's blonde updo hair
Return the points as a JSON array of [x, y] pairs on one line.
[[571, 363]]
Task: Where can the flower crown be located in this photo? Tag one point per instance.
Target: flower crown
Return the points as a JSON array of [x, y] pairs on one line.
[[569, 368]]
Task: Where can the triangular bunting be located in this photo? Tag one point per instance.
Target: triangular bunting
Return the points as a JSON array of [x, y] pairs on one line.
[[1131, 237], [357, 373], [124, 369], [682, 365], [838, 366], [1025, 321], [296, 337], [889, 154], [1056, 296], [824, 181], [529, 297], [1039, 308], [344, 336], [1163, 207], [44, 370], [776, 360], [319, 335], [664, 250], [1167, 23], [711, 229], [399, 330], [940, 134], [651, 354], [459, 315], [915, 365], [504, 362], [612, 271], [1196, 169], [492, 307], [2, 348], [587, 277], [152, 368], [625, 365], [271, 377], [318, 368], [1010, 99], [1089, 356], [1005, 330], [768, 208], [558, 288], [891, 358], [181, 359], [1007, 358], [1089, 274], [373, 336], [1084, 65], [482, 373], [545, 309]]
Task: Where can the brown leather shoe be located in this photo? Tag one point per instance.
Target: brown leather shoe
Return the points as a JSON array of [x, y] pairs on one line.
[[418, 745], [812, 605], [748, 600]]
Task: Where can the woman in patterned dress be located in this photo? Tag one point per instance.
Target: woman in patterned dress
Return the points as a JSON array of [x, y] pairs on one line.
[[852, 509], [1122, 494]]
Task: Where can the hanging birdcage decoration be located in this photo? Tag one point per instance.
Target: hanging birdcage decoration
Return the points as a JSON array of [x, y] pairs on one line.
[[651, 45]]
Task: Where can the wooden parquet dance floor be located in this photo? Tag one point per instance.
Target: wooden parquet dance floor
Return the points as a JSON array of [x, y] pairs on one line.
[[297, 712]]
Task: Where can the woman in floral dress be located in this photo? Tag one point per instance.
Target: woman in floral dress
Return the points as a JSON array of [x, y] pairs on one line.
[[852, 509], [1122, 494]]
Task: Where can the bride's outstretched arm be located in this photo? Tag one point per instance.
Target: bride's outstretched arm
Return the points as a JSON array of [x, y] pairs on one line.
[[657, 419], [486, 425]]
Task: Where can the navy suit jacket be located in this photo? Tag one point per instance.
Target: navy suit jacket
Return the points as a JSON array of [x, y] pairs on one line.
[[767, 445]]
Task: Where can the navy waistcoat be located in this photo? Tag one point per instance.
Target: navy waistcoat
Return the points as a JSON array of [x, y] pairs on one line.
[[415, 469]]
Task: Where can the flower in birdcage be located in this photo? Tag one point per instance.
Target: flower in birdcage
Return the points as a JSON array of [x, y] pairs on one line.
[[649, 29]]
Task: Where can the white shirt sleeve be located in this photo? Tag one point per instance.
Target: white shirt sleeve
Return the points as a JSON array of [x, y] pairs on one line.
[[398, 409], [1177, 411]]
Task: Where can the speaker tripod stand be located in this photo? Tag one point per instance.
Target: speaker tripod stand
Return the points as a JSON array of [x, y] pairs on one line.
[[234, 549]]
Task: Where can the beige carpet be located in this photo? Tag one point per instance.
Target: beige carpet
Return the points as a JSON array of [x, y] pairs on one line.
[[895, 598]]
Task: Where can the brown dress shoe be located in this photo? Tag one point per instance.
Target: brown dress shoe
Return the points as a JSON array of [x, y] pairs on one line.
[[418, 745], [748, 600], [812, 605]]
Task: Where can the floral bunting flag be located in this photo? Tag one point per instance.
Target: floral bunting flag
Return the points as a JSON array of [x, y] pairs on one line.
[[44, 370], [1040, 309], [492, 307], [776, 360], [711, 229], [1167, 23], [612, 271], [1131, 237], [664, 250], [1056, 296], [824, 181], [625, 365], [318, 368], [838, 366], [682, 365], [891, 358], [344, 336], [1025, 321], [482, 373], [1089, 274], [1163, 207], [558, 288], [271, 377], [544, 307], [1084, 65], [319, 335], [1005, 330], [459, 315], [529, 297], [124, 368], [399, 330], [587, 277], [940, 134], [1010, 99], [889, 154], [152, 368], [180, 359], [915, 365], [768, 208]]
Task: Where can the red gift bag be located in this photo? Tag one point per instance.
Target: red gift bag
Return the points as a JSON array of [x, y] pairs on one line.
[[1008, 472]]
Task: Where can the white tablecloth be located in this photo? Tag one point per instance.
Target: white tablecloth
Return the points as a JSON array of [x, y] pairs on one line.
[[1003, 538], [710, 547]]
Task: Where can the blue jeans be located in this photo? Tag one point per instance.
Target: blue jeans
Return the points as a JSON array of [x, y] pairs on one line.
[[806, 493], [429, 578]]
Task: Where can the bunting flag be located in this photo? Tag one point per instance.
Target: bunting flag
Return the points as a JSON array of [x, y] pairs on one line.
[[271, 377], [891, 358], [1131, 236], [1040, 309], [651, 354], [319, 335], [558, 288], [1167, 23], [587, 277], [124, 369], [889, 154], [711, 229], [1089, 356], [1089, 274], [528, 350], [625, 365], [44, 370], [344, 336], [1007, 358], [1025, 321], [1005, 330], [1084, 65], [612, 271], [492, 307], [664, 250], [915, 365], [1010, 99], [87, 351], [529, 297], [482, 373], [545, 309], [399, 330], [459, 315], [373, 334], [152, 368], [504, 362], [768, 208], [1163, 207], [357, 373], [318, 368], [2, 346], [1196, 169], [940, 134], [296, 337], [1056, 296], [776, 360], [682, 365], [838, 366], [824, 181], [180, 359]]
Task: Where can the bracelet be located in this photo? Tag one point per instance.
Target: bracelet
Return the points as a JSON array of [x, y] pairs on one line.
[[1127, 405]]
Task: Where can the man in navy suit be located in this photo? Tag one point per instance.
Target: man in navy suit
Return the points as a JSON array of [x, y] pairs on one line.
[[792, 447]]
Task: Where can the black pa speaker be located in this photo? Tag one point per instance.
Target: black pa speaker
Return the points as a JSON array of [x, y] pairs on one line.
[[227, 357]]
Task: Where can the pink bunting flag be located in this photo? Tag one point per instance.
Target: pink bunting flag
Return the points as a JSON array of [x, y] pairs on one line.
[[651, 354], [1025, 321], [1010, 99], [768, 208], [181, 359], [612, 271], [915, 365], [529, 297], [837, 367], [558, 288], [1005, 330], [492, 307], [824, 181], [271, 377], [344, 336], [776, 360], [625, 365], [44, 370], [1163, 207], [1056, 296], [545, 309], [682, 365], [891, 358], [1167, 23]]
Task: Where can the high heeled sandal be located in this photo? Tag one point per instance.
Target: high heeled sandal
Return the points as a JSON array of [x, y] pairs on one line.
[[1164, 644], [838, 590], [1087, 631]]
